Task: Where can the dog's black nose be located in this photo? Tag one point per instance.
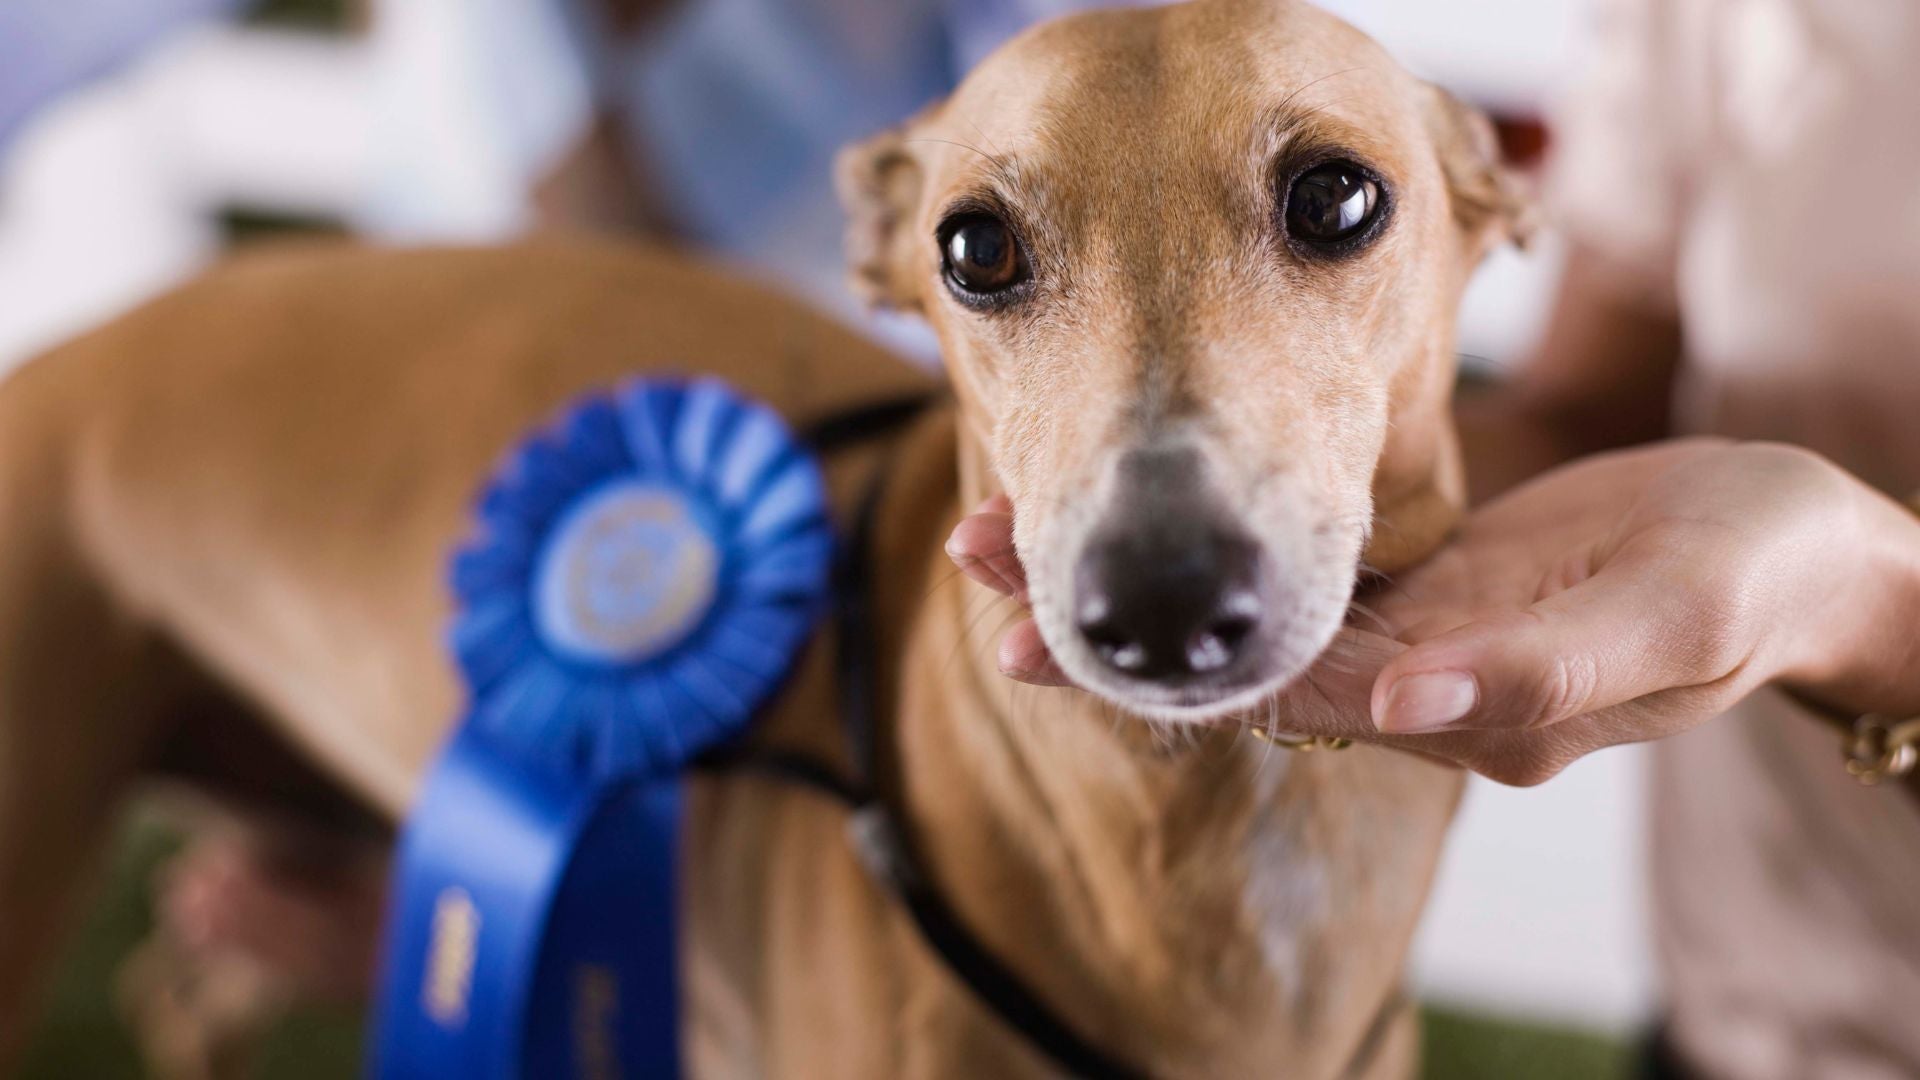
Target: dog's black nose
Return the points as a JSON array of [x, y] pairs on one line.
[[1165, 591], [1168, 614]]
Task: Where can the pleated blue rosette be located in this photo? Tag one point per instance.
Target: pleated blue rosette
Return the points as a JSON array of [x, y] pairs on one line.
[[642, 577]]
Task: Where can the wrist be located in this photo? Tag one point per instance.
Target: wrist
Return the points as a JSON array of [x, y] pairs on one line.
[[1863, 645]]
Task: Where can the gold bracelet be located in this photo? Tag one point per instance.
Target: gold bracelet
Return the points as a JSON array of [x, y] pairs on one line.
[[1879, 748]]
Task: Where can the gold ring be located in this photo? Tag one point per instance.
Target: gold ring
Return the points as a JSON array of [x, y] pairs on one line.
[[1302, 744]]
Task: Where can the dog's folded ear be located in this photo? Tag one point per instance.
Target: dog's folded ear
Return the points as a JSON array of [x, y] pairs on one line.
[[1490, 200], [879, 184]]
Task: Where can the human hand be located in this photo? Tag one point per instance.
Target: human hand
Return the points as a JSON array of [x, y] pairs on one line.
[[1624, 597]]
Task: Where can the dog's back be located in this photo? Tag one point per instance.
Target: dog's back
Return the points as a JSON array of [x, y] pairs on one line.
[[265, 508]]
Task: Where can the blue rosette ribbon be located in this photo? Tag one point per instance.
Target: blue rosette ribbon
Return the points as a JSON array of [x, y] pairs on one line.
[[643, 576]]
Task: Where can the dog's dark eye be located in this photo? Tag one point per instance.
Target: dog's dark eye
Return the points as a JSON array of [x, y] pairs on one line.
[[982, 255], [1330, 203]]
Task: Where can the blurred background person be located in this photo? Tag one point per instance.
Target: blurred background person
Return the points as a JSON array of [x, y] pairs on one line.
[[1737, 183]]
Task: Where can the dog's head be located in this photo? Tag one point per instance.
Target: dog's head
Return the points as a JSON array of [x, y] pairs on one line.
[[1194, 271]]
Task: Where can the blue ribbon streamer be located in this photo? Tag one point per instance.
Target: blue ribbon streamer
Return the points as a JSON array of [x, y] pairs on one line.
[[645, 574]]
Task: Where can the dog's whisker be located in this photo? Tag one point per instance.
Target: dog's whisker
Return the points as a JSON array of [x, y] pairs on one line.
[[1379, 620], [941, 581], [971, 622], [1318, 110], [984, 137], [972, 610], [1272, 726], [993, 158], [1340, 667], [1379, 577], [1306, 86]]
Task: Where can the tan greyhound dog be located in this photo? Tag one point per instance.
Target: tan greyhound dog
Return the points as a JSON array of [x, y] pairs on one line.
[[1194, 270]]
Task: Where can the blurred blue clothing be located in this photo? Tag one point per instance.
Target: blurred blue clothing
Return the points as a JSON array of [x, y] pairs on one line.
[[737, 107], [50, 46]]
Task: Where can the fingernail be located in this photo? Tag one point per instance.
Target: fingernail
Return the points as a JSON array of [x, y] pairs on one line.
[[1427, 701]]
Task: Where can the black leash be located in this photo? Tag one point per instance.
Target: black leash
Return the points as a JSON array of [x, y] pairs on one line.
[[878, 827]]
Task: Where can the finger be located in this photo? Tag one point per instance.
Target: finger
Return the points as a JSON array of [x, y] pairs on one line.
[[1024, 657], [1331, 697], [981, 545], [1631, 630]]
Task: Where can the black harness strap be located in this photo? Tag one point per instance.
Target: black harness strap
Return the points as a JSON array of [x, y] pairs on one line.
[[877, 828], [880, 837], [839, 430]]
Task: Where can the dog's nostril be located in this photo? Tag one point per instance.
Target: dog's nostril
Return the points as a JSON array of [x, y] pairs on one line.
[[1218, 643], [1109, 641], [1115, 648]]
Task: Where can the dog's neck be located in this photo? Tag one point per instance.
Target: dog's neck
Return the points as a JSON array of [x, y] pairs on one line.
[[1195, 899]]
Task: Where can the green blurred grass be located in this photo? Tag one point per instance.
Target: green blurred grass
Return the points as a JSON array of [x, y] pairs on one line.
[[1457, 1045], [82, 1038]]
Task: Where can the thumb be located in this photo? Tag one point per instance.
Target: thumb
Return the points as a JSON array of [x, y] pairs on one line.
[[1622, 634]]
